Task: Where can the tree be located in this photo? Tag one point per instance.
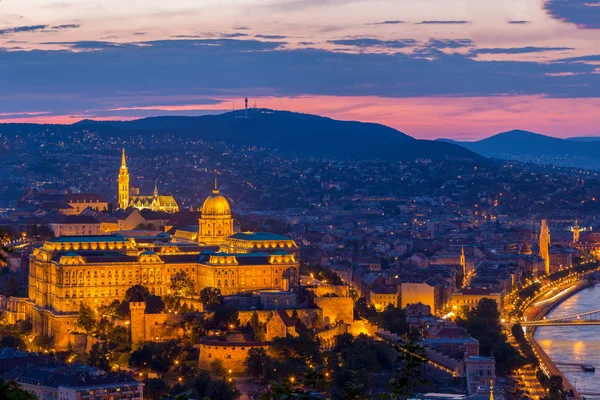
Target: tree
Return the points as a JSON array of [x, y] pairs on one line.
[[201, 383], [43, 342], [410, 371], [136, 292], [12, 391], [182, 285], [217, 367], [87, 318], [100, 356], [12, 341], [255, 362], [211, 297], [259, 331], [155, 388], [393, 319], [221, 390], [224, 317]]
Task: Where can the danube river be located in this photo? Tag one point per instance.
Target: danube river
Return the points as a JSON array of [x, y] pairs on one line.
[[571, 346]]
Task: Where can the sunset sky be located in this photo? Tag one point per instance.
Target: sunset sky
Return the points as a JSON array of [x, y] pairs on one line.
[[462, 69]]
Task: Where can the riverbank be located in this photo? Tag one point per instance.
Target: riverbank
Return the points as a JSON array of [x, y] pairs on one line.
[[542, 306]]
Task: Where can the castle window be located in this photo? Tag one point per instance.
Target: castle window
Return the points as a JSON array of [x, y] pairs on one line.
[[228, 355]]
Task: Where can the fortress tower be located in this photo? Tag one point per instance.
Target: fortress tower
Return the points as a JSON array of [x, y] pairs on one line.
[[138, 321]]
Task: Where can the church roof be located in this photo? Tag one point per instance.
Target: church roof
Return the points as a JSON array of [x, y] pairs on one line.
[[216, 204], [525, 248], [89, 239], [259, 236]]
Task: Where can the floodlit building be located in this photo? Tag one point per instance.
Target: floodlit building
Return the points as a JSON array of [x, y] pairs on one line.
[[154, 202]]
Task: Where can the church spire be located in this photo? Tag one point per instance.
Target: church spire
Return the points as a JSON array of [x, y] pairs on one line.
[[123, 160], [155, 188]]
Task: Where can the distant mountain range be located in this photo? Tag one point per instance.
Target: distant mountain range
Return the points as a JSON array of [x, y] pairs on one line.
[[289, 133], [534, 147]]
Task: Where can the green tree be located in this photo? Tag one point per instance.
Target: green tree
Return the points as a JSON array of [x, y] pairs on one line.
[[43, 341], [87, 318], [259, 331], [211, 297], [155, 388], [221, 390], [100, 355], [201, 383], [255, 362], [393, 319], [12, 391], [181, 284], [217, 367], [12, 341], [136, 292], [410, 372]]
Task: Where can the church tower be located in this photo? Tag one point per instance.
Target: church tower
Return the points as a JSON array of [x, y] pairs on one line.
[[463, 262], [123, 184], [545, 245], [576, 231]]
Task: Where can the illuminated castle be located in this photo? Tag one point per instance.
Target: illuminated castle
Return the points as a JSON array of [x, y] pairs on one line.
[[128, 199], [69, 271]]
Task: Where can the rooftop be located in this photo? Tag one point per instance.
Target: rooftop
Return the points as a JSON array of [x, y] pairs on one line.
[[89, 239], [259, 236]]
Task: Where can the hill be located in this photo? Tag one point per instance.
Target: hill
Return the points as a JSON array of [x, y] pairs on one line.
[[289, 133], [534, 147]]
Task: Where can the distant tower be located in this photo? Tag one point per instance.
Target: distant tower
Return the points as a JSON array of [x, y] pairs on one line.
[[463, 262], [246, 101], [123, 183], [545, 245], [576, 231], [155, 189]]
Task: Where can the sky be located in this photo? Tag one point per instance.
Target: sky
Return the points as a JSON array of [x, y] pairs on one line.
[[462, 69]]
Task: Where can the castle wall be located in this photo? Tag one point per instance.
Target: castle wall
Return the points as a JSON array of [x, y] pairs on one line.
[[232, 355], [336, 309]]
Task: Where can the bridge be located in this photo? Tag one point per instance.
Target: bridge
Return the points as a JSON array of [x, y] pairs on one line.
[[586, 318]]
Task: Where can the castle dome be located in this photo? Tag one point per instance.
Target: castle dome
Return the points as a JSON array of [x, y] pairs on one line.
[[216, 204]]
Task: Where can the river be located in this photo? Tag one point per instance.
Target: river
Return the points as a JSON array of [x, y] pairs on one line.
[[571, 346]]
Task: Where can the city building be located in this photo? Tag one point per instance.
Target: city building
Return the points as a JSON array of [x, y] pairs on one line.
[[382, 296], [75, 383], [468, 298], [74, 225]]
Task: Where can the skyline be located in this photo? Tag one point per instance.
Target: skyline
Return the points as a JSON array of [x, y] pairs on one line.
[[456, 69]]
